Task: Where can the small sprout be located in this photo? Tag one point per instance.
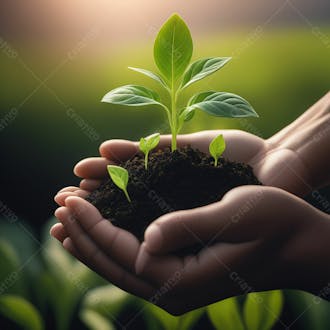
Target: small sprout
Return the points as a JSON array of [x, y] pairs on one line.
[[147, 144], [119, 176], [217, 147]]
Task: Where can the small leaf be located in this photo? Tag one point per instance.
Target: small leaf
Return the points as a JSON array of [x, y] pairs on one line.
[[262, 309], [222, 104], [151, 75], [119, 176], [147, 144], [132, 95], [217, 147], [21, 312], [173, 48], [185, 115], [203, 68], [225, 315]]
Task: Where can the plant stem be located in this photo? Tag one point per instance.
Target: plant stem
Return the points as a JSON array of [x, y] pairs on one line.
[[215, 162], [127, 196], [174, 116], [146, 160]]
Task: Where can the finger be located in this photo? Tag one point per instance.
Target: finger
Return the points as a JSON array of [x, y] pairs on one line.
[[120, 245], [118, 150], [91, 255], [158, 269], [228, 220], [67, 189], [89, 184], [59, 232], [92, 168], [209, 268], [61, 197]]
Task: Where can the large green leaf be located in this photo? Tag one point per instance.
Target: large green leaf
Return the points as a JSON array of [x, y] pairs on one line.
[[222, 104], [106, 300], [132, 95], [170, 322], [95, 321], [262, 309], [203, 68], [11, 275], [151, 75], [173, 48], [308, 311], [21, 312], [225, 315]]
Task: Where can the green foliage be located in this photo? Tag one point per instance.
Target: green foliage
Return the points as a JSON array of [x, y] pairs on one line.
[[67, 289], [147, 144], [20, 311], [262, 309], [170, 322], [222, 104], [119, 176], [203, 68], [132, 95], [226, 315], [217, 147], [313, 311], [173, 50]]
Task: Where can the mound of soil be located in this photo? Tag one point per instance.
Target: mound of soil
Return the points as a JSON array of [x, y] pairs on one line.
[[183, 179]]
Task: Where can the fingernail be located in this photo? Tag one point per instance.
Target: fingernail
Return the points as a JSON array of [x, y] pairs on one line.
[[153, 238], [141, 260]]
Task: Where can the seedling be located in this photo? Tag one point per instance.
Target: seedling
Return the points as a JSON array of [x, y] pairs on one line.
[[217, 147], [119, 176], [147, 144], [173, 50]]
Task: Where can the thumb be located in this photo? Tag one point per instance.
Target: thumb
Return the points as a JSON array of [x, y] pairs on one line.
[[118, 150]]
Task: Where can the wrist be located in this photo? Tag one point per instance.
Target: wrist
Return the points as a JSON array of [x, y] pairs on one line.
[[311, 255], [307, 137]]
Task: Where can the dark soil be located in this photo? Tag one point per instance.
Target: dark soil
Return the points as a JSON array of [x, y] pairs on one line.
[[183, 179]]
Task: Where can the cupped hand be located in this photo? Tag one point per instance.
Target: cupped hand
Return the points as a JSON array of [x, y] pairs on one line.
[[273, 165], [246, 248]]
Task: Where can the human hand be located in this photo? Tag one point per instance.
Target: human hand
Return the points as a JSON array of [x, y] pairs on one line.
[[272, 165], [246, 247]]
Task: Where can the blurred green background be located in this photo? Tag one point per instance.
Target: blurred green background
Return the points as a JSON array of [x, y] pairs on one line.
[[57, 60]]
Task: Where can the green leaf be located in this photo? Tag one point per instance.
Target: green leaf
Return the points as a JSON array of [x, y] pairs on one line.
[[21, 312], [262, 309], [203, 68], [95, 321], [106, 300], [119, 176], [170, 322], [11, 275], [151, 75], [147, 144], [217, 147], [308, 311], [222, 104], [173, 48], [185, 115], [132, 95], [225, 315]]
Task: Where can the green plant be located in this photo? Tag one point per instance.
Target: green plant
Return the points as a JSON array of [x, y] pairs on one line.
[[217, 147], [147, 144], [119, 176], [173, 50]]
